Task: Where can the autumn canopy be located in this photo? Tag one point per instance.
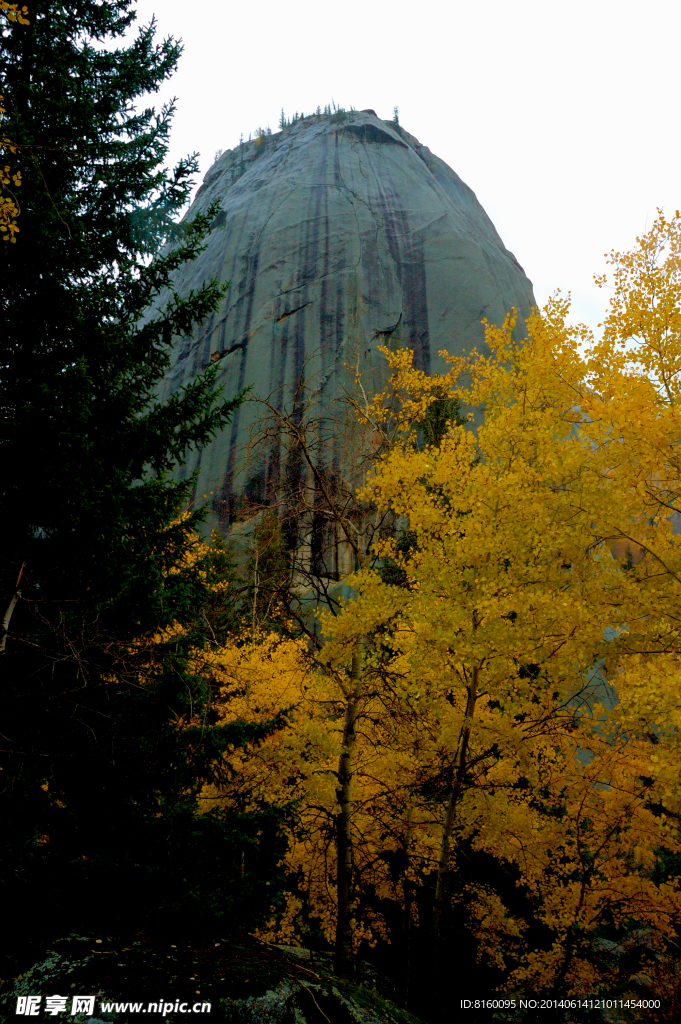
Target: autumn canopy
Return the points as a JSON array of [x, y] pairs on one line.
[[504, 684]]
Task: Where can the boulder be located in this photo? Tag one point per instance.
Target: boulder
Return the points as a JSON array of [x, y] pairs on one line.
[[338, 234], [133, 977]]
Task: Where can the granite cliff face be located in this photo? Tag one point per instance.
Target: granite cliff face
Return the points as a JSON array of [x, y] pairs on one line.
[[338, 234]]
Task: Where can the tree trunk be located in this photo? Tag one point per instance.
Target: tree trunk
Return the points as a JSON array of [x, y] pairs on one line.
[[454, 797], [4, 629], [404, 983], [344, 957]]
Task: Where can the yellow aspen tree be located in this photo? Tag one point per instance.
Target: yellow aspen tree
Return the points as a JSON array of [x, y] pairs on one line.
[[511, 593], [261, 676]]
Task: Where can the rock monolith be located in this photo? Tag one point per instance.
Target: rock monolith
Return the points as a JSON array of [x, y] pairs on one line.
[[338, 234]]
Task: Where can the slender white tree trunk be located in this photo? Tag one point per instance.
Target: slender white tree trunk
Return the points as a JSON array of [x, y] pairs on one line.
[[4, 629]]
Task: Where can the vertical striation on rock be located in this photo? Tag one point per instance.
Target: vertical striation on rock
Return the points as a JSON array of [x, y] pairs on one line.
[[338, 234]]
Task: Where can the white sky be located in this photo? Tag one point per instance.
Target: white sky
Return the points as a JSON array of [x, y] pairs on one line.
[[562, 117]]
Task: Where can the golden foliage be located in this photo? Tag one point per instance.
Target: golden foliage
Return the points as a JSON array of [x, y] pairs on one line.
[[404, 402], [14, 13], [9, 207], [535, 662]]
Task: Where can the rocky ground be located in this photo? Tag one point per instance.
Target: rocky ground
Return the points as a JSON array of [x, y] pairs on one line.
[[248, 983]]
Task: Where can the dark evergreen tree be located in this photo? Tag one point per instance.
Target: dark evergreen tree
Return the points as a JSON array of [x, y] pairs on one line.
[[107, 730]]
